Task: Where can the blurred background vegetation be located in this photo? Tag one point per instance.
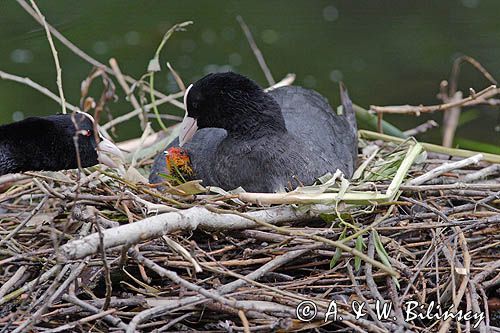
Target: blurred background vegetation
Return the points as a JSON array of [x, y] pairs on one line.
[[387, 52]]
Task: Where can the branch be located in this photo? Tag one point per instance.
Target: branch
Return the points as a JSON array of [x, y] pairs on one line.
[[54, 54], [473, 99], [256, 51], [27, 81], [156, 226]]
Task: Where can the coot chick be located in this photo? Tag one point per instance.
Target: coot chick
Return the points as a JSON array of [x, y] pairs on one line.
[[179, 164], [46, 143], [236, 134]]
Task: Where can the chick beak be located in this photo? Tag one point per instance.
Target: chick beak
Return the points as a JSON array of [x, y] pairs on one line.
[[106, 150], [189, 126]]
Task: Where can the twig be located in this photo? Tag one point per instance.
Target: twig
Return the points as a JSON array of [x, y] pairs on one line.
[[26, 220], [244, 320], [30, 83], [429, 124], [473, 99], [89, 307], [76, 269], [75, 49], [288, 80], [493, 158], [13, 280], [177, 78], [135, 112], [54, 54], [123, 83], [156, 226], [67, 327], [256, 51], [445, 168]]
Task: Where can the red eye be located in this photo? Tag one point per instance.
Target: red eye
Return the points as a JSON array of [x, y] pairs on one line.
[[87, 133]]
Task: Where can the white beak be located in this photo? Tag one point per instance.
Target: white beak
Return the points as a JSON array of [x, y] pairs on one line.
[[188, 128], [106, 150], [189, 125]]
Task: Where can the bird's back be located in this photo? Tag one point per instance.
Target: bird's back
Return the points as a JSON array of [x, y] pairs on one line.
[[310, 119]]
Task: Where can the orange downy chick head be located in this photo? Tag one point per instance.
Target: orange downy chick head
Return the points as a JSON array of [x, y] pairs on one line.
[[178, 158]]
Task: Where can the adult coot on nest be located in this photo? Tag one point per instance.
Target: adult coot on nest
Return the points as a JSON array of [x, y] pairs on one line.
[[47, 143], [236, 134]]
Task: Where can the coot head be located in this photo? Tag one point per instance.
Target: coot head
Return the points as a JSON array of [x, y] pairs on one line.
[[84, 125], [233, 102], [48, 143]]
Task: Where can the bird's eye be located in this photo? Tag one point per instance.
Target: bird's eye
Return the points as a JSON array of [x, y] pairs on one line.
[[86, 133]]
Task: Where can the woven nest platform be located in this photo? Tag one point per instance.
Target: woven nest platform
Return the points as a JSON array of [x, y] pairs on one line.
[[95, 251]]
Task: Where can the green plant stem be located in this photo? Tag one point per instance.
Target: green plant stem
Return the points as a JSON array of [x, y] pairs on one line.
[[369, 120], [492, 158]]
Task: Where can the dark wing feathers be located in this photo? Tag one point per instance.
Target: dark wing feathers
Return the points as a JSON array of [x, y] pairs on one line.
[[310, 119]]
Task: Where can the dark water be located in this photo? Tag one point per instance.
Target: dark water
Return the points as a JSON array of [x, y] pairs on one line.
[[387, 52]]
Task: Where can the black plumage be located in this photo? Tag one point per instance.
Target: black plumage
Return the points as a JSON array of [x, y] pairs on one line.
[[264, 141], [46, 143]]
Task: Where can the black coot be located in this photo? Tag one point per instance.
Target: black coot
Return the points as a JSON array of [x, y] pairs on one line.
[[46, 143], [264, 142]]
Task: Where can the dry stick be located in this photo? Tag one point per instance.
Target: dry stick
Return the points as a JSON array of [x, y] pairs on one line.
[[337, 244], [492, 158], [256, 51], [362, 297], [159, 225], [54, 54], [230, 287], [456, 71], [465, 281], [89, 307], [450, 117], [128, 92], [482, 174], [13, 280], [286, 81], [74, 48], [177, 78], [261, 271], [68, 327], [486, 309], [147, 107], [445, 168], [174, 322], [474, 98], [429, 124], [27, 81], [174, 277], [26, 220], [205, 218], [487, 271], [28, 286], [244, 321], [51, 290], [106, 267]]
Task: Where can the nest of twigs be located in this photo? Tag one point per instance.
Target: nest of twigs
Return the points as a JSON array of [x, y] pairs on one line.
[[91, 251]]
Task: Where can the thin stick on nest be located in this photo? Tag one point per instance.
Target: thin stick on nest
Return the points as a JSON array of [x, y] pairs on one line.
[[473, 99], [54, 54]]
